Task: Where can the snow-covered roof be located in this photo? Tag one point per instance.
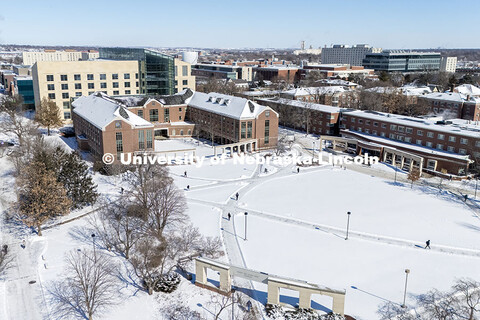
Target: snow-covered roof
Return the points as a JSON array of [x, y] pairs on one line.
[[468, 89], [100, 110], [229, 106], [314, 90], [302, 104], [338, 82]]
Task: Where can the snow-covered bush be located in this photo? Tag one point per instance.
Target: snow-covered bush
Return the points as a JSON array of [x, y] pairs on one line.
[[278, 312]]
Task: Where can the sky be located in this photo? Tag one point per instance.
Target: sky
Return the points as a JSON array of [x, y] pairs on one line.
[[388, 24]]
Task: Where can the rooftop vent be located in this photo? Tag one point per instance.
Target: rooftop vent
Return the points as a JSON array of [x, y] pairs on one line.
[[123, 113], [226, 102], [251, 106], [219, 100]]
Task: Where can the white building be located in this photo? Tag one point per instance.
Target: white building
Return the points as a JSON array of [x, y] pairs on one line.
[[30, 57], [344, 54], [448, 64], [311, 51]]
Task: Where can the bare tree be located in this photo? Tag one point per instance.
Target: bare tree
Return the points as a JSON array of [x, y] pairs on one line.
[[12, 108], [413, 175], [48, 115], [393, 311], [89, 287], [467, 293], [437, 305]]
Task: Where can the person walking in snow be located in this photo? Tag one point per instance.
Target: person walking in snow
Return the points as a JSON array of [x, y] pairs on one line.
[[185, 174], [465, 197], [229, 216], [427, 244], [236, 196], [188, 187], [121, 190], [298, 170]]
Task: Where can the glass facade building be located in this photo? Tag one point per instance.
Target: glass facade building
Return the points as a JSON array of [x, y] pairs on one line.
[[156, 75], [402, 61], [24, 87]]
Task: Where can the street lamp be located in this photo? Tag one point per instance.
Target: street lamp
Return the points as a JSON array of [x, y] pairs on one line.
[[407, 271], [233, 304], [476, 183], [348, 223], [93, 243], [246, 214]]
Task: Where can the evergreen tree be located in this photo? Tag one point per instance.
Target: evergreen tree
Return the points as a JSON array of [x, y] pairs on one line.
[[78, 182], [41, 196], [48, 115]]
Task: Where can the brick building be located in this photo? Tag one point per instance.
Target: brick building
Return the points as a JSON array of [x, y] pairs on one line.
[[453, 105]]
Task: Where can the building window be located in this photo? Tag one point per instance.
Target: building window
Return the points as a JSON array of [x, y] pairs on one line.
[[65, 95], [103, 85], [440, 146], [243, 130], [126, 84], [49, 77], [103, 76], [382, 134], [428, 144], [352, 120], [367, 122], [149, 139], [127, 91], [375, 124], [184, 71], [181, 132], [408, 139], [360, 121], [154, 114], [63, 77], [64, 86], [126, 76], [77, 77], [441, 136], [267, 113], [180, 118], [384, 126], [408, 130], [50, 86], [114, 76], [463, 141], [118, 124], [185, 82], [450, 149], [78, 86], [66, 105], [89, 76], [136, 75], [180, 109], [166, 115], [462, 151], [430, 134], [477, 143], [393, 127], [119, 142], [115, 84], [267, 131], [391, 136], [452, 139], [78, 94], [419, 142], [67, 115], [249, 129], [116, 93], [419, 132], [140, 113], [90, 92], [91, 85], [141, 140]]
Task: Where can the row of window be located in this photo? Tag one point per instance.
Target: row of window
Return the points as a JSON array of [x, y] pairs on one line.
[[66, 95], [409, 130], [91, 76], [78, 86], [419, 142]]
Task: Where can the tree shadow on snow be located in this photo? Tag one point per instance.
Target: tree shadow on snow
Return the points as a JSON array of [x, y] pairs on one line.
[[430, 190]]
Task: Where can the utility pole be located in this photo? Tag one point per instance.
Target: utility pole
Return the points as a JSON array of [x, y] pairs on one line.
[[348, 223], [407, 271], [246, 214]]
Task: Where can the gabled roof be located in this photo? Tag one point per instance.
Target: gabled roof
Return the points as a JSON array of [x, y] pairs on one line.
[[229, 106], [100, 110], [468, 89]]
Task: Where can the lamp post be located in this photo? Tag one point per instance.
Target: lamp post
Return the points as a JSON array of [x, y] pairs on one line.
[[246, 214], [407, 271], [93, 243], [476, 183], [348, 223], [233, 304]]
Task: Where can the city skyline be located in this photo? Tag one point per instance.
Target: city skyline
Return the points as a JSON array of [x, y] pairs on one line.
[[213, 24]]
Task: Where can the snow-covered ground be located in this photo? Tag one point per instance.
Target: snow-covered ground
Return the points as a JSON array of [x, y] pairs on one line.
[[296, 228]]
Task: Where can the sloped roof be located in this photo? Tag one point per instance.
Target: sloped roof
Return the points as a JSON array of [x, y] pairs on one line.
[[468, 89], [229, 106], [100, 110]]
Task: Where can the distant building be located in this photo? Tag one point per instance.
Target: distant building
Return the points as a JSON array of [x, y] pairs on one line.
[[7, 80], [277, 72], [328, 95], [468, 90], [311, 51], [453, 105], [448, 64], [222, 71], [402, 61], [61, 81], [337, 70], [30, 57], [344, 54]]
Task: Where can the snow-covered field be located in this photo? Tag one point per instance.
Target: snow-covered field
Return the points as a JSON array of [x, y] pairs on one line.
[[296, 228]]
